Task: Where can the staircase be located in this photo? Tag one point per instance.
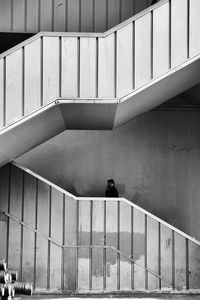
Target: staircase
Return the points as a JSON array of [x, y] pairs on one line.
[[63, 242], [58, 81], [130, 69]]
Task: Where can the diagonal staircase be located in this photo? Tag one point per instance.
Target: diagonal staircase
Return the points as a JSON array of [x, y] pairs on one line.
[[63, 242], [58, 81]]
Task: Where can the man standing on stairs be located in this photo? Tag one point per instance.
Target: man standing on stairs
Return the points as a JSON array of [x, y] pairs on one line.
[[111, 190]]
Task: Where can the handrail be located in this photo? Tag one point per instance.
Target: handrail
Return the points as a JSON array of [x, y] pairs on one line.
[[46, 237], [185, 235], [83, 34]]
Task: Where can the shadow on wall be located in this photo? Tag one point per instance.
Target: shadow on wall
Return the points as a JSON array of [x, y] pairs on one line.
[[9, 40]]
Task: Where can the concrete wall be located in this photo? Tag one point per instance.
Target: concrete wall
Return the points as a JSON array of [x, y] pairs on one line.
[[154, 160], [66, 15]]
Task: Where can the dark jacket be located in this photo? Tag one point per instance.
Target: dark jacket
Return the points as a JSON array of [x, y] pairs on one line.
[[111, 192]]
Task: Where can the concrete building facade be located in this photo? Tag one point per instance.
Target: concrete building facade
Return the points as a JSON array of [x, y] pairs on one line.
[[79, 106]]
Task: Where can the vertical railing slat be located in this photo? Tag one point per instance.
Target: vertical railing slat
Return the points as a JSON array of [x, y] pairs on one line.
[[104, 250], [145, 254], [173, 260], [49, 243], [159, 253], [77, 242], [187, 264], [35, 235], [91, 242], [132, 264], [118, 245], [63, 250]]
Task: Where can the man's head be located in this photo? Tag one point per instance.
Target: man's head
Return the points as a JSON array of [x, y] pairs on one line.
[[111, 182]]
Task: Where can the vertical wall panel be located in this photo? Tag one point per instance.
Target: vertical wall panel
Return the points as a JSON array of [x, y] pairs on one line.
[[143, 50], [28, 236], [19, 15], [83, 268], [194, 266], [32, 16], [166, 254], [16, 210], [14, 87], [56, 215], [70, 221], [180, 261], [111, 240], [70, 269], [50, 69], [70, 239], [1, 93], [194, 27], [69, 67], [46, 19], [98, 223], [100, 15], [56, 234], [4, 194], [113, 13], [87, 67], [97, 269], [179, 32], [124, 60], [73, 19], [42, 244], [5, 15], [97, 239], [125, 246], [106, 87], [161, 40], [86, 15], [152, 252], [84, 239], [59, 15], [139, 248], [32, 92], [84, 222]]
